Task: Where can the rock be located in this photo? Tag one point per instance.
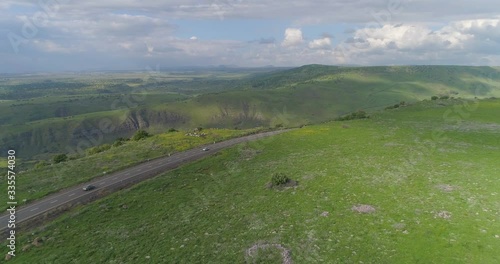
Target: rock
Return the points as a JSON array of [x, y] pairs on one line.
[[363, 208], [26, 248], [443, 214], [37, 242]]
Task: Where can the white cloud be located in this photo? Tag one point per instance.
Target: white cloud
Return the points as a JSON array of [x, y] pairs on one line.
[[322, 43], [293, 37], [53, 47], [462, 42], [193, 38], [408, 37]]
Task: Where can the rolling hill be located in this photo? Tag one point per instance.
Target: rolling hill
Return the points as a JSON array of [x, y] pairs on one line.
[[416, 184], [291, 97]]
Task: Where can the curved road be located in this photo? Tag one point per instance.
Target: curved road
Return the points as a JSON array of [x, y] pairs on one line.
[[120, 179]]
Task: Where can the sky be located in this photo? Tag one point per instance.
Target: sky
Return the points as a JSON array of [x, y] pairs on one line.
[[69, 35]]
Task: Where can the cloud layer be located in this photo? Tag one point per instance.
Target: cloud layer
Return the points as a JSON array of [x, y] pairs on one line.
[[132, 34]]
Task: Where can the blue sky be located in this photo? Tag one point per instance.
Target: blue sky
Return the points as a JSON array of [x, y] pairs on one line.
[[67, 35]]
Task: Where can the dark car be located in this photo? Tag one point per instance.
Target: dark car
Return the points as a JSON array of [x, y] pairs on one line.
[[206, 149], [88, 187]]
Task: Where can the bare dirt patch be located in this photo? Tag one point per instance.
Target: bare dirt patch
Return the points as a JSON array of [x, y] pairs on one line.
[[285, 253], [446, 187], [399, 226], [364, 208]]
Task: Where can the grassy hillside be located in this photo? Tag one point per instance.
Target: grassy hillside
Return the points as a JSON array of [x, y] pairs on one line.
[[423, 176], [38, 182], [244, 99]]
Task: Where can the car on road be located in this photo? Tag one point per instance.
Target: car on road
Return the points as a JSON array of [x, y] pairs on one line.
[[88, 187], [206, 149]]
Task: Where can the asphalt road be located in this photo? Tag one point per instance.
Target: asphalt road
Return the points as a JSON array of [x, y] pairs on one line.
[[114, 181]]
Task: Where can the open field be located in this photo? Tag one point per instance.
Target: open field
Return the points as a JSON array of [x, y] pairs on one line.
[[416, 184], [32, 107]]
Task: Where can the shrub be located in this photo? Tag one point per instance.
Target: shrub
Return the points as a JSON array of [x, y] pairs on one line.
[[172, 130], [444, 97], [60, 158], [119, 141], [41, 164], [140, 134], [97, 149], [434, 97], [279, 179], [356, 115]]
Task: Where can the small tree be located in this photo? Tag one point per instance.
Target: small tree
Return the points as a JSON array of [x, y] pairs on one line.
[[60, 158], [140, 134], [279, 179], [434, 97]]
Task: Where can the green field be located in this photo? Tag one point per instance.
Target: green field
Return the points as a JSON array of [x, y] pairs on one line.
[[44, 115], [426, 174]]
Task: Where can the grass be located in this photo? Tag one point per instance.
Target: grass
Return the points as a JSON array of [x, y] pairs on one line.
[[224, 98], [36, 183], [434, 188]]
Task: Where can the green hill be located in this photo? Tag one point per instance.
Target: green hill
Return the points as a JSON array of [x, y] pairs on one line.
[[304, 95], [416, 184]]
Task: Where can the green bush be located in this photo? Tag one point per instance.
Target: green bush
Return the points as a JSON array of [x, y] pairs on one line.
[[434, 97], [172, 130], [60, 158], [95, 150], [279, 179], [356, 115], [41, 164], [140, 134], [444, 97], [119, 141]]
